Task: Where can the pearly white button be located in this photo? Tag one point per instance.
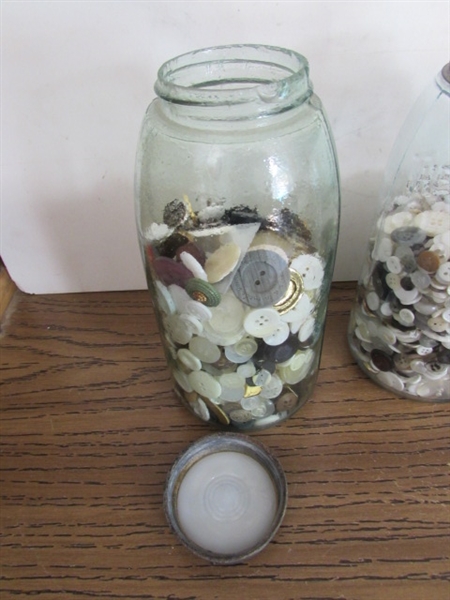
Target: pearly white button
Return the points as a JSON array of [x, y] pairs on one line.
[[233, 356], [396, 220], [273, 388], [262, 322], [179, 296], [279, 335], [191, 263], [165, 300], [383, 249], [233, 387], [394, 264], [182, 380], [311, 269], [189, 360], [225, 327], [433, 223], [205, 384], [198, 310], [177, 330], [247, 369], [192, 324], [261, 377], [307, 329], [443, 273], [246, 346], [391, 380], [204, 349]]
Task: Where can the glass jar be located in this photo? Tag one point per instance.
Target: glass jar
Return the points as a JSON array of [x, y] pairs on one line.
[[399, 331], [237, 203]]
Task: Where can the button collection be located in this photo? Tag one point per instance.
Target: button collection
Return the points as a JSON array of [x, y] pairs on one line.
[[238, 299], [399, 329]]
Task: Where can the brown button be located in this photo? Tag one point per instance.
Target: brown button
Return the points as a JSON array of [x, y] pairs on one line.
[[381, 360], [286, 401], [428, 261]]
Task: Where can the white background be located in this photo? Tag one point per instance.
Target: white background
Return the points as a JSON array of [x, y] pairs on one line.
[[77, 78]]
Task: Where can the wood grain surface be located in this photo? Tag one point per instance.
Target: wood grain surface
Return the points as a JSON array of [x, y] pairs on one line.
[[90, 427]]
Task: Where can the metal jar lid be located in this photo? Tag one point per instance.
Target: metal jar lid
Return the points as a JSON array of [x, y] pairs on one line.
[[225, 498]]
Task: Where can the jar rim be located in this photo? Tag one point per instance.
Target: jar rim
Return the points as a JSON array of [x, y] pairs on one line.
[[234, 74]]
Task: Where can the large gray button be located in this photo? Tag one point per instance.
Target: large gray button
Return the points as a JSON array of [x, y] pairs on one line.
[[262, 278]]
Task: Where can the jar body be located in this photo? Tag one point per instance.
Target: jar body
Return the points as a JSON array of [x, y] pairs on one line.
[[237, 206], [399, 331]]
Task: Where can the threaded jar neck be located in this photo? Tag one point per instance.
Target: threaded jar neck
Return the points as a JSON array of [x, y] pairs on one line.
[[236, 81]]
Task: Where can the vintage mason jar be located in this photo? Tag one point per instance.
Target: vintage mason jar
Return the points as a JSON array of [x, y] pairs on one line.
[[237, 203], [399, 331]]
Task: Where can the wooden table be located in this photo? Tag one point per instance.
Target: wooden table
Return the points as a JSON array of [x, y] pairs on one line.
[[90, 427]]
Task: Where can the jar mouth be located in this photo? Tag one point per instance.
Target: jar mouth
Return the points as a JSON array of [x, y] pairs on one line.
[[234, 74]]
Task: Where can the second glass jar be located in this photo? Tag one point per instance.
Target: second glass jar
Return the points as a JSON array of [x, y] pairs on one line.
[[237, 204]]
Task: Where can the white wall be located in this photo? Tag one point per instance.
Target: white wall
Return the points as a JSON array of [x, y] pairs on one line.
[[78, 76]]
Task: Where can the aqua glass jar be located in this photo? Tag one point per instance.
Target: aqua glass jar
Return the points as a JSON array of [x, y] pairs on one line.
[[399, 331], [237, 204]]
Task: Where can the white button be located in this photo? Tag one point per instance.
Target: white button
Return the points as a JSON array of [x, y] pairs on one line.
[[205, 350], [279, 335], [298, 367], [261, 377], [198, 310], [189, 360], [233, 387], [165, 300], [177, 330], [273, 388], [205, 384], [433, 223], [264, 408], [179, 296], [307, 329], [391, 380], [394, 265], [311, 270], [383, 249], [247, 346], [225, 327], [201, 410], [407, 297], [262, 322], [191, 263], [233, 356], [191, 323], [396, 220], [406, 316], [248, 369], [300, 312], [182, 380], [443, 273], [373, 301], [438, 324]]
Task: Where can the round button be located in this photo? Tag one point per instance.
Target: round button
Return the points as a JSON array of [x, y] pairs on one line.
[[165, 300], [197, 309], [394, 264], [202, 291], [396, 220], [179, 296], [205, 384], [233, 356], [443, 273], [192, 249], [421, 280], [191, 263], [189, 360], [169, 271], [381, 360], [262, 278], [200, 409], [191, 323], [432, 222], [273, 388], [383, 249], [286, 402], [246, 347], [233, 387], [297, 368], [262, 322], [247, 369], [261, 377], [311, 270], [225, 327], [182, 380], [206, 351], [222, 262], [438, 324], [307, 329], [279, 335], [409, 235], [391, 380], [406, 316], [240, 415], [177, 330], [428, 261]]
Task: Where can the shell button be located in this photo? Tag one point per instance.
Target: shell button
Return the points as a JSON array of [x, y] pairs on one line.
[[204, 350], [225, 327], [443, 273], [310, 268], [432, 222], [205, 384], [262, 322], [262, 278]]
